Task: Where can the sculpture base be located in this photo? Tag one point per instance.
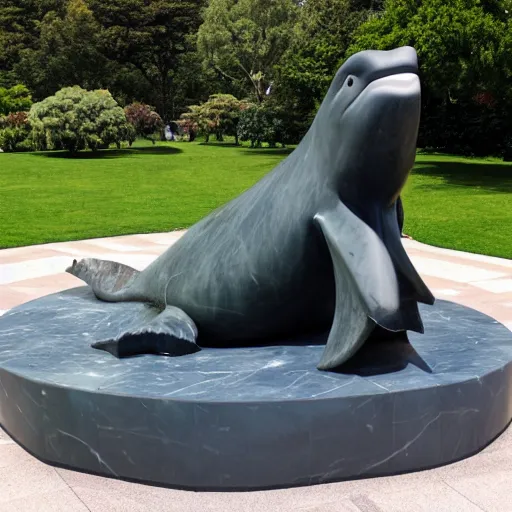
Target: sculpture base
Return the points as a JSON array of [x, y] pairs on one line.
[[248, 418]]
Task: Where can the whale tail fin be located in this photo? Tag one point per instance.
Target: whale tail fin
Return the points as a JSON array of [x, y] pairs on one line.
[[149, 330], [171, 332], [110, 281], [376, 284]]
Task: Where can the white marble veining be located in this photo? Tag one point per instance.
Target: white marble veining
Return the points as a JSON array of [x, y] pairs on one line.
[[57, 332], [248, 417]]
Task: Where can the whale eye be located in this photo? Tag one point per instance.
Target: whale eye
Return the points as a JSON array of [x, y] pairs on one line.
[[350, 81]]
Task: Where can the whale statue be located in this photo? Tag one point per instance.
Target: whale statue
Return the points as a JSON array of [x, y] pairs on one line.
[[313, 247]]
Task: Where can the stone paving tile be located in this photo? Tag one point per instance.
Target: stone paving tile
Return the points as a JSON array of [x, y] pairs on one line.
[[10, 298], [413, 245], [495, 285], [12, 272], [118, 246], [21, 254], [438, 497], [161, 238], [101, 494], [458, 272], [94, 491], [64, 500], [81, 249], [10, 454], [333, 506], [4, 438], [486, 490], [24, 476], [62, 279]]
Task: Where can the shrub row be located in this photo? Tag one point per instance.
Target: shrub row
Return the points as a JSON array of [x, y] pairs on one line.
[[75, 119], [223, 114]]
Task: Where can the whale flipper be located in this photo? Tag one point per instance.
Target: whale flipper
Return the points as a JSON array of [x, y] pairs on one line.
[[415, 289], [171, 332], [367, 291]]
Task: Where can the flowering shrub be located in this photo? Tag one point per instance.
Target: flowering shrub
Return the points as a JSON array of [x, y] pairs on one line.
[[76, 119], [145, 121], [14, 132]]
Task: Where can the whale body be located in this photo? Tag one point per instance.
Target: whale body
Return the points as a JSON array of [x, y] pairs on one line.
[[314, 246]]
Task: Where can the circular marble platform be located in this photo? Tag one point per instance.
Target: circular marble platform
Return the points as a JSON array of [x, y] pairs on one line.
[[248, 418]]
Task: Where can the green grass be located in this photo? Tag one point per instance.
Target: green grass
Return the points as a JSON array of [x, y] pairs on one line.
[[460, 203], [46, 197]]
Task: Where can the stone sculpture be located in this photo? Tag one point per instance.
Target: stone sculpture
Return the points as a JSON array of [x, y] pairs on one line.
[[312, 247]]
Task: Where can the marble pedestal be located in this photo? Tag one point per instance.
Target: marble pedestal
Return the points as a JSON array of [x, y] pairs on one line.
[[249, 418]]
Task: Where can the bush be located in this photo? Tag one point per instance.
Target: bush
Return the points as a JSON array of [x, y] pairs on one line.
[[193, 121], [264, 123], [219, 116], [15, 99], [76, 119], [252, 125], [144, 120], [14, 132]]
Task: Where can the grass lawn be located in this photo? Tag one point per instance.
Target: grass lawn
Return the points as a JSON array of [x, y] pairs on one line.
[[46, 197], [460, 203]]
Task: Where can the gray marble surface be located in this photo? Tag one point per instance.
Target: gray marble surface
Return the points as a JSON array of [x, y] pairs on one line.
[[313, 246], [243, 418]]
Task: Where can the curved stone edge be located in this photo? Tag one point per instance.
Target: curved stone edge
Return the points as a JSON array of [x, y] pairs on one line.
[[247, 446]]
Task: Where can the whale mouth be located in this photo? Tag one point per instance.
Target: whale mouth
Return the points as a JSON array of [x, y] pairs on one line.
[[398, 86], [400, 83]]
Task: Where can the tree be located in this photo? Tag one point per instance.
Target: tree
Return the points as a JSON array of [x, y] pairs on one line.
[[252, 125], [244, 39], [223, 111], [153, 36], [68, 53], [194, 84], [76, 119], [322, 36], [193, 121], [14, 99], [19, 30], [464, 53], [219, 115], [264, 123]]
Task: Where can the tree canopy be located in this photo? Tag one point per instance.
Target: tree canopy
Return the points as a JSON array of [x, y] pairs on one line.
[[244, 39], [465, 64], [153, 37], [279, 54], [322, 36]]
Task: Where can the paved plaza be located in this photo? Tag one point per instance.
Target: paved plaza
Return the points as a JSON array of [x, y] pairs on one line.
[[482, 482]]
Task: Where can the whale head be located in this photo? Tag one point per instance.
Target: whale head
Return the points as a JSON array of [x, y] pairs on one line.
[[368, 124]]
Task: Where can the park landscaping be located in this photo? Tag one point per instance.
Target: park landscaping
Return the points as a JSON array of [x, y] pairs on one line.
[[453, 202]]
